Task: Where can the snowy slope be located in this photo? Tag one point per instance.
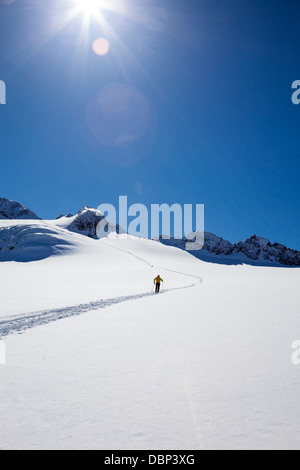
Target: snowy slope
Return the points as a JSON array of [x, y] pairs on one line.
[[26, 241], [57, 268], [103, 363]]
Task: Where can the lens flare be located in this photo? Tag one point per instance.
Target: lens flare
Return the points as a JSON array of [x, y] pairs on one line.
[[101, 46], [119, 116]]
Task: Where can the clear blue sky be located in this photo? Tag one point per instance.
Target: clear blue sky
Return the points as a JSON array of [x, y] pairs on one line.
[[192, 104]]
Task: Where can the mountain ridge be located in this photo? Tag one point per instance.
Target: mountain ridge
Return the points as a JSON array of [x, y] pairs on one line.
[[254, 250], [13, 210]]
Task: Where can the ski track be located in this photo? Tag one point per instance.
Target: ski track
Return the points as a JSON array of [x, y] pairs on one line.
[[20, 323], [200, 279]]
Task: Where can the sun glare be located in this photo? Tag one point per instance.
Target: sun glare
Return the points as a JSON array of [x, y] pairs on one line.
[[90, 7]]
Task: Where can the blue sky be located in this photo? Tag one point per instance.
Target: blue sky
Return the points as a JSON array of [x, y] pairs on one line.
[[192, 104]]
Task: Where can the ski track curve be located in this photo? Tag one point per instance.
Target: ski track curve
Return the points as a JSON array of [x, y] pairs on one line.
[[20, 323], [200, 279]]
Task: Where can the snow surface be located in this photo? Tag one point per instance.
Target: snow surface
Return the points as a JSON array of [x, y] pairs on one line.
[[104, 363]]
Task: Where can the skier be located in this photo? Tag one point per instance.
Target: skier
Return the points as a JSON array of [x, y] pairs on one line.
[[157, 281]]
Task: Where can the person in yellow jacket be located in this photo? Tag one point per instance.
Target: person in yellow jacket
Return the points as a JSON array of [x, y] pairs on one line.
[[157, 282]]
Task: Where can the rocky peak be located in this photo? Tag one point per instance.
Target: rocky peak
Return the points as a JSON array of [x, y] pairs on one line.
[[14, 210]]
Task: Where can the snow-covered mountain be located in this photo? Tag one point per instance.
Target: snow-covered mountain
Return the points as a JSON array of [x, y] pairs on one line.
[[21, 240], [255, 250], [14, 210], [85, 222]]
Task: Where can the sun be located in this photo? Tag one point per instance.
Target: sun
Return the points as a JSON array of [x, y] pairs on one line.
[[89, 7]]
